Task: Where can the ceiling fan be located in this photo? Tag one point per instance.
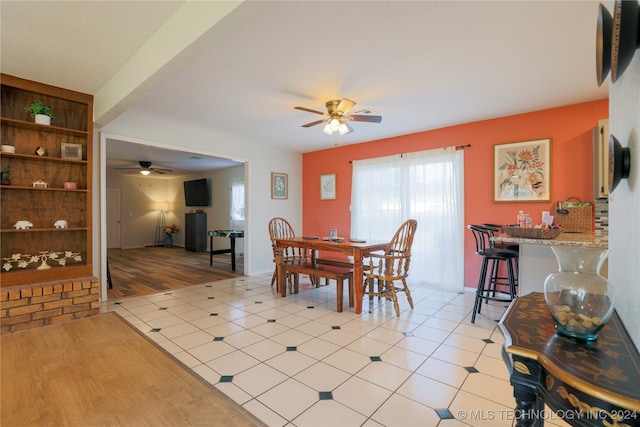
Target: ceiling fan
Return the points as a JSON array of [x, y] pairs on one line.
[[145, 168], [336, 117]]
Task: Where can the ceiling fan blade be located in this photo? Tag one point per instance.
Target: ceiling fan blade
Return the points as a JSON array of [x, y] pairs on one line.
[[162, 169], [317, 122], [159, 171], [365, 118], [345, 105], [310, 110]]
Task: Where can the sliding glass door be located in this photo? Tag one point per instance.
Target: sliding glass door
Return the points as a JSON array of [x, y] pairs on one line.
[[426, 186]]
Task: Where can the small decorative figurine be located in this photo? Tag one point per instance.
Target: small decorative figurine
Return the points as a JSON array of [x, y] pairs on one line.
[[23, 225], [61, 223], [39, 184]]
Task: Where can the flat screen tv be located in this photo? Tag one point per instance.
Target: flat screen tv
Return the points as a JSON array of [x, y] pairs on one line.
[[196, 192]]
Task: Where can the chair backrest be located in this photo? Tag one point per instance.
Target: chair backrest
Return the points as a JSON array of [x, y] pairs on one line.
[[397, 255], [403, 239], [279, 228], [482, 236]]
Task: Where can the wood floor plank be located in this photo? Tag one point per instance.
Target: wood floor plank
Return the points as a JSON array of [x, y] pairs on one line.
[[101, 371], [142, 271]]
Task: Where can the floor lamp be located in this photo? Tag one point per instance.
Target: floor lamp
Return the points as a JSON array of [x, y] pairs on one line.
[[160, 225]]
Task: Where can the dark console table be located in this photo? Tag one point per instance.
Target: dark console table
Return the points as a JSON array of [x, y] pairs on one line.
[[586, 384], [232, 235]]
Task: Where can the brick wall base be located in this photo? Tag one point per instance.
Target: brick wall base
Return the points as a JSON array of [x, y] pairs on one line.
[[40, 304]]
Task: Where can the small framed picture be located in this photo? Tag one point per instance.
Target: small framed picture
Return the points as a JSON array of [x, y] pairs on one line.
[[279, 185], [71, 151], [328, 187]]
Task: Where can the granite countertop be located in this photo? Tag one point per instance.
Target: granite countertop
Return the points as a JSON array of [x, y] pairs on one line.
[[590, 240]]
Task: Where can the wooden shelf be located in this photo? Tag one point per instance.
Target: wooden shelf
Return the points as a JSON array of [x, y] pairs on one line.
[[36, 126], [22, 187], [41, 158], [48, 230], [73, 124]]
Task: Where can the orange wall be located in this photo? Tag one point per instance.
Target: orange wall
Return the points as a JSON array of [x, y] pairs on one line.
[[570, 129]]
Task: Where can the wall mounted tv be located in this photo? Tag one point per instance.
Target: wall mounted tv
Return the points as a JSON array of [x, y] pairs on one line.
[[196, 193]]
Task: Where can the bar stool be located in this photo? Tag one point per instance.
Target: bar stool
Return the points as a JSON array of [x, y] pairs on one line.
[[493, 230], [487, 283]]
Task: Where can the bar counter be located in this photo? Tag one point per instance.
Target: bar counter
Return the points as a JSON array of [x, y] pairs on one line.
[[537, 260], [564, 239]]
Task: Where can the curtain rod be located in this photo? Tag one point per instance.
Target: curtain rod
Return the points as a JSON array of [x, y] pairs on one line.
[[457, 147]]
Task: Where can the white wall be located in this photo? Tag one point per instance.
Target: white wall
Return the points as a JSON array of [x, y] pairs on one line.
[[141, 196], [260, 161], [624, 203]]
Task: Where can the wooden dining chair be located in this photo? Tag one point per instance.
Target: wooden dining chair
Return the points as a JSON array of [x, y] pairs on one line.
[[279, 228], [391, 268]]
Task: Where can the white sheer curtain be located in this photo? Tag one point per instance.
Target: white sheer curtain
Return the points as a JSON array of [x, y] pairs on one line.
[[426, 186]]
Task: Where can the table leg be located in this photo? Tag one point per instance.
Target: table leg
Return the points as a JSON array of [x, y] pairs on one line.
[[529, 406], [233, 252], [210, 250], [358, 277]]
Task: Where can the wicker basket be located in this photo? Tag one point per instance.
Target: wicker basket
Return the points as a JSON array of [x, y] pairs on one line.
[[532, 233], [574, 216]]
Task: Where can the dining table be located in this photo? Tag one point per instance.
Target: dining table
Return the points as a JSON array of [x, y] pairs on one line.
[[356, 248]]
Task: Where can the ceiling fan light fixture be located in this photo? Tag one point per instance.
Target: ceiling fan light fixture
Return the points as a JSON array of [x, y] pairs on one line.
[[344, 128], [145, 172], [335, 119]]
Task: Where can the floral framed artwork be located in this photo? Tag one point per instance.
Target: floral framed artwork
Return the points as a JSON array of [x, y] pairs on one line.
[[328, 187], [279, 185], [522, 171]]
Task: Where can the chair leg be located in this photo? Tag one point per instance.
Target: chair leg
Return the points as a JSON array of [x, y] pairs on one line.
[[369, 284], [512, 280], [477, 305], [493, 279], [394, 297], [273, 278], [406, 291], [483, 288]]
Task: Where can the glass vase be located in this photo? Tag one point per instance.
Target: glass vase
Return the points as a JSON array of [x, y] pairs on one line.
[[579, 298]]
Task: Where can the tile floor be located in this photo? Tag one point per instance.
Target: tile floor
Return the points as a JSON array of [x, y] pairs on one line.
[[295, 361]]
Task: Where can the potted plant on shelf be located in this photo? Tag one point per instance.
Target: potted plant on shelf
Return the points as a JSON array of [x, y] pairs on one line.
[[41, 113]]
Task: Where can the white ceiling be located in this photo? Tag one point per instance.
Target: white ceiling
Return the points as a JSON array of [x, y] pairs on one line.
[[420, 64]]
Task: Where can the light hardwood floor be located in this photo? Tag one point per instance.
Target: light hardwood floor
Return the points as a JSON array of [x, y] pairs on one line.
[[143, 271], [101, 371]]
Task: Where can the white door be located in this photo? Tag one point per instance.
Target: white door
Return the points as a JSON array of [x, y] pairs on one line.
[[114, 217]]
